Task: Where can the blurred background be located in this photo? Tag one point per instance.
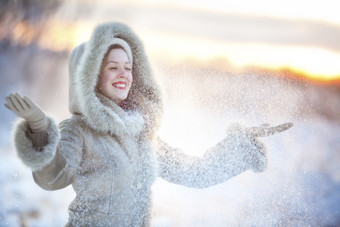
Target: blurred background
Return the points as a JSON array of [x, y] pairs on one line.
[[217, 62]]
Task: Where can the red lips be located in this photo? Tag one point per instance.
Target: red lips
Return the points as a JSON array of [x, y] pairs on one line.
[[120, 85]]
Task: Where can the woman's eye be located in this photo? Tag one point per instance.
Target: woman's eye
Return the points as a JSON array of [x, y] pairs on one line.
[[128, 69], [113, 68]]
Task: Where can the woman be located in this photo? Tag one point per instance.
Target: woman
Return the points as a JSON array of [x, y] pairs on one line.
[[109, 150]]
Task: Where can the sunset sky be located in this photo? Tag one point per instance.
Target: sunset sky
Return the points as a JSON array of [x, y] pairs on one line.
[[300, 35]]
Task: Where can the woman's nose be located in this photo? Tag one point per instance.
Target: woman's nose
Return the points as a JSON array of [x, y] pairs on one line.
[[123, 73]]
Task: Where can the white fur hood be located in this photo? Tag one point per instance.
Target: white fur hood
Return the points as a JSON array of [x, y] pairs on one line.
[[143, 104]]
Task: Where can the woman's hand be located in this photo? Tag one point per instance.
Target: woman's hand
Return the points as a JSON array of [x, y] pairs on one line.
[[266, 130], [23, 107]]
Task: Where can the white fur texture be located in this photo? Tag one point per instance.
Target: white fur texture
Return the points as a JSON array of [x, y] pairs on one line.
[[31, 157], [233, 155], [85, 61]]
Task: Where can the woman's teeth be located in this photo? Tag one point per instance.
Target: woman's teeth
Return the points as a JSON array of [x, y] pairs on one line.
[[119, 85]]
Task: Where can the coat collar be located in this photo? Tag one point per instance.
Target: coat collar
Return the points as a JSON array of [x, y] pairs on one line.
[[107, 117]]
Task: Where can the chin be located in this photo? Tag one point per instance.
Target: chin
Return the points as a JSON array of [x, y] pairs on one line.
[[118, 100]]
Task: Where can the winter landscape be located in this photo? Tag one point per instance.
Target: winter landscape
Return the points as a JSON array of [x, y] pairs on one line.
[[301, 186]]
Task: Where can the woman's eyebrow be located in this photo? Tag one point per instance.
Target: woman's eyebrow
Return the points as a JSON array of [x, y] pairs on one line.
[[112, 62], [118, 62]]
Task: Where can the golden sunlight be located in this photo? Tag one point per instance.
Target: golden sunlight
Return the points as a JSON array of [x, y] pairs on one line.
[[289, 9], [58, 35], [316, 63], [61, 35], [23, 33]]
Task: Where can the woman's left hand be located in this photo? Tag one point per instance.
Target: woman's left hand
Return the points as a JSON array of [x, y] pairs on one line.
[[266, 130]]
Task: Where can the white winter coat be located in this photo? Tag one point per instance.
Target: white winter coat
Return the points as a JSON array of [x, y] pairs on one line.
[[108, 155]]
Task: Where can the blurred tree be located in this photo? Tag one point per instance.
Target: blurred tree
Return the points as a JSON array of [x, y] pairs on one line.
[[22, 21]]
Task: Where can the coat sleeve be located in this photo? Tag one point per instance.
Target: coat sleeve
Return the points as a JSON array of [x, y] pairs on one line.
[[54, 164], [233, 155]]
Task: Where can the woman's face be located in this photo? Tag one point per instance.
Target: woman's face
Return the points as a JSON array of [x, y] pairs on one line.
[[116, 76]]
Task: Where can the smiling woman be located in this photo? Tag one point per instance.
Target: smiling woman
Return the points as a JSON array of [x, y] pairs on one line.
[[111, 153], [115, 74], [194, 121]]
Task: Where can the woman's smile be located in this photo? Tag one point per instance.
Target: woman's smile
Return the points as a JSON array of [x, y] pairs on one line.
[[116, 76], [120, 85]]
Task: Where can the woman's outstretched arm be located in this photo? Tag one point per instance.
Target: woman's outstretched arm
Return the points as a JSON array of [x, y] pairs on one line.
[[52, 153], [239, 151]]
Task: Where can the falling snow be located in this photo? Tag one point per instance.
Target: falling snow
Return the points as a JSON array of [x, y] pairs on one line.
[[300, 187]]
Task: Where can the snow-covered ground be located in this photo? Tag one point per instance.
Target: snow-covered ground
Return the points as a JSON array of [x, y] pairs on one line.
[[301, 187]]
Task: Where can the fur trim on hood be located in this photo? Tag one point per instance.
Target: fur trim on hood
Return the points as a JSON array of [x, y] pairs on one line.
[[144, 99]]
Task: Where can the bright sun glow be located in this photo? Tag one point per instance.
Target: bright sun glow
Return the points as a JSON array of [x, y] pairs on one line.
[[318, 63], [326, 10], [61, 35], [314, 62], [185, 118]]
